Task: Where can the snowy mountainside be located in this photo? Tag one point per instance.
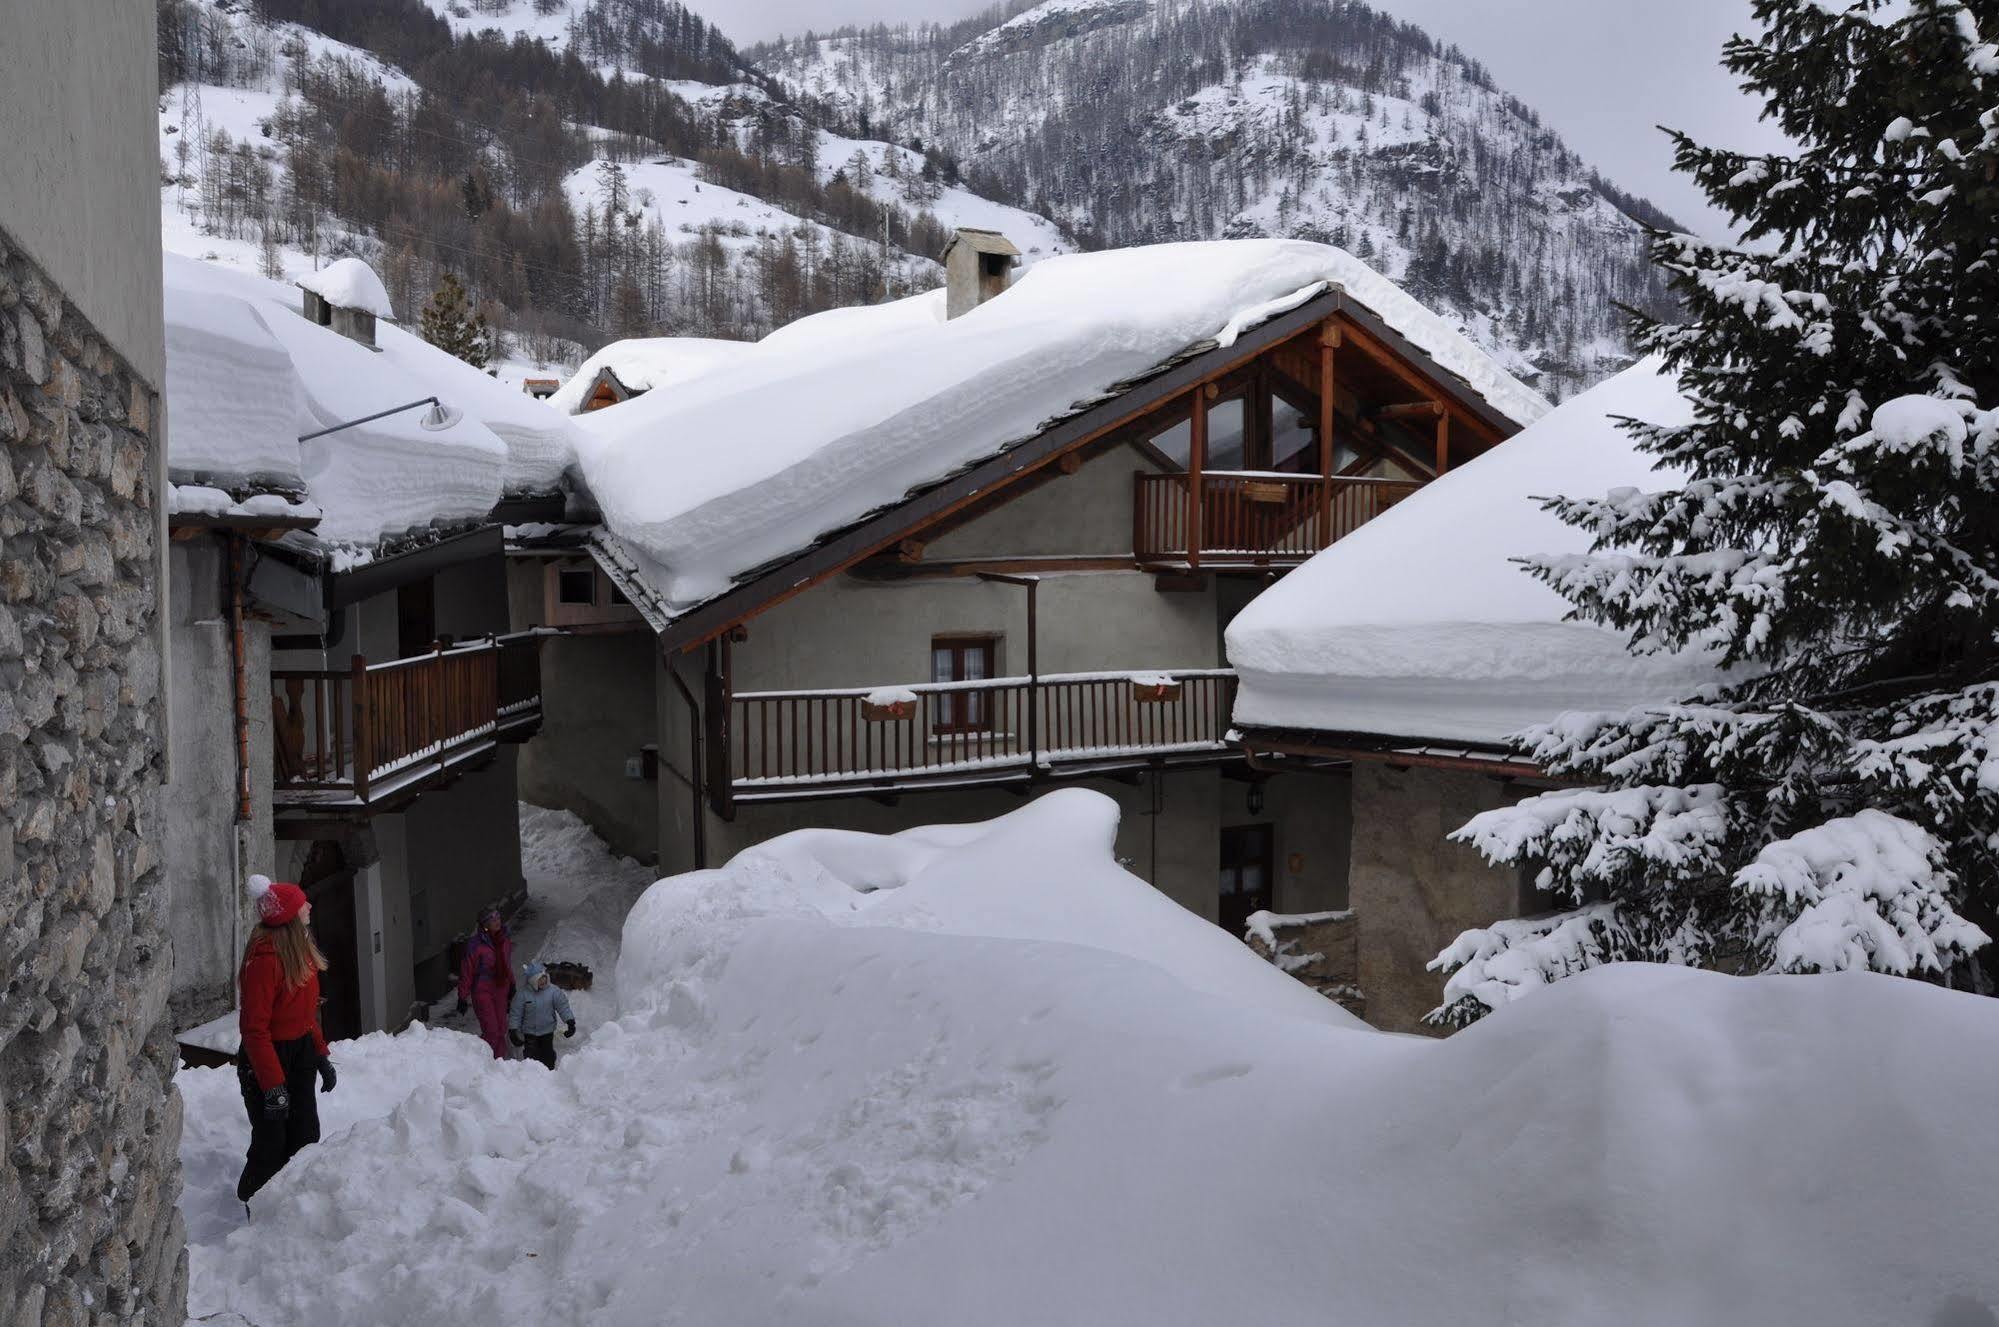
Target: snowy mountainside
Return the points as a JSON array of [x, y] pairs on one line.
[[589, 168], [1130, 121]]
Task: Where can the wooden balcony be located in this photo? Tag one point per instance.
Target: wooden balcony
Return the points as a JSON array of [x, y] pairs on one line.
[[789, 744], [1222, 519], [375, 734]]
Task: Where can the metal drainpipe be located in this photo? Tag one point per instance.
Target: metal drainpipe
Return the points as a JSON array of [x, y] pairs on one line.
[[697, 773], [239, 677], [1033, 586]]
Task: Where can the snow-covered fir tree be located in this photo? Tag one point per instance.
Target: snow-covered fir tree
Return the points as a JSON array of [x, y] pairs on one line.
[[1835, 802], [451, 324]]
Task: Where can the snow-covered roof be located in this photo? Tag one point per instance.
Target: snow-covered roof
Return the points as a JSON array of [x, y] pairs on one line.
[[844, 413], [247, 374], [349, 283], [642, 363], [1420, 625]]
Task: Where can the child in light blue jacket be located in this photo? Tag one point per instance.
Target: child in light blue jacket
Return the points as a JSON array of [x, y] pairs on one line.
[[537, 1007]]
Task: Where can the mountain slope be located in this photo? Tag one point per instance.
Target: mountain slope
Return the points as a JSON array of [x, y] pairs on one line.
[[1130, 121], [590, 168]]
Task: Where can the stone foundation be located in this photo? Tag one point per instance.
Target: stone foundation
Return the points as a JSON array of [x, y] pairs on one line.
[[1320, 949], [89, 1132], [1412, 889]]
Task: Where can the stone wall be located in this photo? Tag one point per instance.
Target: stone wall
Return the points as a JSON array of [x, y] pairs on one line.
[[1321, 949], [89, 1116], [1413, 890]]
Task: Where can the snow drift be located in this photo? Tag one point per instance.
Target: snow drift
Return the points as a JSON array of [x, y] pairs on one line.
[[979, 1074]]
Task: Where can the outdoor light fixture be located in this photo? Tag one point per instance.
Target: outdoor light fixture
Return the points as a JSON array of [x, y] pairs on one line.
[[436, 419], [1255, 799]]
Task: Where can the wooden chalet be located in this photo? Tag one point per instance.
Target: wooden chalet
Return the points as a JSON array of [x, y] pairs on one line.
[[1051, 614]]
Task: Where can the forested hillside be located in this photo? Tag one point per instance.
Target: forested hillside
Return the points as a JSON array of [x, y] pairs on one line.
[[599, 168], [1131, 121]]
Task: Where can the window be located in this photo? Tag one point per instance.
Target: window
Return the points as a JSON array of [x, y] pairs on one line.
[[1228, 436], [961, 659], [617, 595], [576, 587], [1294, 438]]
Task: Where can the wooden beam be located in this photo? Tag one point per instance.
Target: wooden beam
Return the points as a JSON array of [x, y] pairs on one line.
[[1443, 441], [1329, 395], [885, 569], [1410, 410], [1420, 382], [1197, 459]]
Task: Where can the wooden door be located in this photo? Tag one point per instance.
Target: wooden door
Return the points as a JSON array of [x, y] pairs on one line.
[[1248, 867]]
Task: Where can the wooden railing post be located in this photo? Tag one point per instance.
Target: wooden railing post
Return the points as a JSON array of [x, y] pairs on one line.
[[1197, 460], [363, 719]]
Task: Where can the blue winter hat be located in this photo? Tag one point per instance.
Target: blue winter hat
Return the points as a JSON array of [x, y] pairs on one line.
[[531, 970]]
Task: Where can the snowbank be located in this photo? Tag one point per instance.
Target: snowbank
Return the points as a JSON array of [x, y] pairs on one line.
[[1420, 624], [841, 414], [915, 1080], [252, 374], [645, 362]]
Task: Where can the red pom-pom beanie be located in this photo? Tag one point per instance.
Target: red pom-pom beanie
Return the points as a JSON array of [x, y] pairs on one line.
[[277, 903]]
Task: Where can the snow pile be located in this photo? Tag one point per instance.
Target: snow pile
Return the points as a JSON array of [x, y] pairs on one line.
[[643, 363], [254, 375], [913, 1080], [841, 414], [1420, 624], [349, 283]]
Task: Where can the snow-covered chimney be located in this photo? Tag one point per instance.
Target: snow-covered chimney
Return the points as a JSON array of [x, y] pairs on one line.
[[977, 266], [348, 297]]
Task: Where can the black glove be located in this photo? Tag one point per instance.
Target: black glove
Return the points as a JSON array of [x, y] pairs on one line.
[[569, 1029], [513, 1036], [277, 1103], [327, 1078], [462, 1005]]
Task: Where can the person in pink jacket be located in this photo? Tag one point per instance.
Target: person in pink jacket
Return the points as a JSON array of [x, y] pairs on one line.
[[486, 979]]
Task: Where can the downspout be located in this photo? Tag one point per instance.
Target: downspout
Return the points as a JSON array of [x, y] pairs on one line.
[[696, 769], [239, 677], [1033, 585]]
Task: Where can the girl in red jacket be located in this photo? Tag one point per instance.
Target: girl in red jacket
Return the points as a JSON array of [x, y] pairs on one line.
[[283, 1048]]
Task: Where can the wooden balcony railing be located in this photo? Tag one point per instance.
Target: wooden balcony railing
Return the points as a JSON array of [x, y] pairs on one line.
[[1252, 517], [924, 731], [373, 730]]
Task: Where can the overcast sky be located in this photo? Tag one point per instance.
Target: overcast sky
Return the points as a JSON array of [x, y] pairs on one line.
[[1602, 72]]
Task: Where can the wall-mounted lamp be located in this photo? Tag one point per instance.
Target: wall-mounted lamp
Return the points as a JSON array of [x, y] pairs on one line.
[[1255, 798], [436, 419]]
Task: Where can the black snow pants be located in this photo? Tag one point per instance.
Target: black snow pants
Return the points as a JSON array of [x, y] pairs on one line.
[[539, 1049], [274, 1142]]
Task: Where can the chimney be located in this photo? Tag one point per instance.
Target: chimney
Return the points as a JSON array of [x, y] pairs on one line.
[[346, 296], [977, 266]]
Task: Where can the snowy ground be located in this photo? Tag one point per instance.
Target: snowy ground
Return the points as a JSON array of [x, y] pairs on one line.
[[979, 1074]]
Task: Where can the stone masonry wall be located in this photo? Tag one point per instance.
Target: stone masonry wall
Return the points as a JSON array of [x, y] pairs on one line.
[[89, 1116]]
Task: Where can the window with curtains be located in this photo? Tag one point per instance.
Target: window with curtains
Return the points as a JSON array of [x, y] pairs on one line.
[[962, 659]]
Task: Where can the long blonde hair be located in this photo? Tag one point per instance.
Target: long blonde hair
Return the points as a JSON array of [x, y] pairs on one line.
[[298, 955]]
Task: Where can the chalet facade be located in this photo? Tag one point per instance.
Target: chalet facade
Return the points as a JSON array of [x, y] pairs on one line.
[[347, 700], [1050, 613], [1395, 669]]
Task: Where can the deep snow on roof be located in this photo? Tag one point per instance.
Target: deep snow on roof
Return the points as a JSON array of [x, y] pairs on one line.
[[844, 413], [247, 374], [1420, 624], [349, 283], [642, 363]]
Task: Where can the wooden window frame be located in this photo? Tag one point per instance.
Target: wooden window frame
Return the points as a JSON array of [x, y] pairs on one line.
[[952, 711]]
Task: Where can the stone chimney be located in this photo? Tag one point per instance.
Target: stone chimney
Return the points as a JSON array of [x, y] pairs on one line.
[[977, 266], [348, 297]]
